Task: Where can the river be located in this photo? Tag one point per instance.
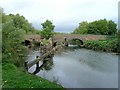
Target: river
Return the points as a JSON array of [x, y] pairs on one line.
[[80, 68]]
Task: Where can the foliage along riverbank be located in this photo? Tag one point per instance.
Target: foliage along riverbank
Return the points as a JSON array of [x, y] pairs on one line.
[[14, 29], [14, 77], [108, 45], [101, 27]]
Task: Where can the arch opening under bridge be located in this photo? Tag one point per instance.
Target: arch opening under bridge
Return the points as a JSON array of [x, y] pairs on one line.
[[74, 41]]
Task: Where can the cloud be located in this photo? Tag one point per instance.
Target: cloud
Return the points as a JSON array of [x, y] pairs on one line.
[[66, 12]]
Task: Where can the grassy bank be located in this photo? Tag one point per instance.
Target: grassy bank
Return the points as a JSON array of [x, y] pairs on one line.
[[13, 77], [108, 45]]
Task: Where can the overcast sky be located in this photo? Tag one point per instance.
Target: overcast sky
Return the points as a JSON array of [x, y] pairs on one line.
[[65, 14]]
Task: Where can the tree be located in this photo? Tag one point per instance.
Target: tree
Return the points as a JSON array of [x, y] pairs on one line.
[[21, 23], [92, 28], [12, 37], [47, 29], [98, 27], [82, 29], [103, 26], [112, 28]]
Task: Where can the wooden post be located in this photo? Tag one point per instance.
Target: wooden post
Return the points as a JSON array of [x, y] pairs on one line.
[[37, 64], [26, 65]]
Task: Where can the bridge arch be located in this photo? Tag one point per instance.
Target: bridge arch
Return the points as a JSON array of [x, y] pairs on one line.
[[75, 41]]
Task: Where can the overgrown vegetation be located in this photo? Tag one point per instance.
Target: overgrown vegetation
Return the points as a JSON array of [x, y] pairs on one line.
[[12, 36], [111, 44], [14, 28], [101, 27], [98, 27]]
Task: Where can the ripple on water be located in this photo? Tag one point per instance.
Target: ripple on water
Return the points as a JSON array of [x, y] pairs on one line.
[[82, 68]]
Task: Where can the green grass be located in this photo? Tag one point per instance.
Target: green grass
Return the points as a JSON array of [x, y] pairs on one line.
[[0, 76], [13, 77]]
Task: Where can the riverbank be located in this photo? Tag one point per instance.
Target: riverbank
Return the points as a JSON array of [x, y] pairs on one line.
[[108, 45], [13, 77]]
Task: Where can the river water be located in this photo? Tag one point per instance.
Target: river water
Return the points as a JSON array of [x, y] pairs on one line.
[[80, 68]]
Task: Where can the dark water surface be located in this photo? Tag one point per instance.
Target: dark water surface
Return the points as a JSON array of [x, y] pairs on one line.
[[80, 68]]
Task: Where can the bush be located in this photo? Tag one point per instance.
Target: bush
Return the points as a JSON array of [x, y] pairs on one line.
[[109, 45], [11, 46]]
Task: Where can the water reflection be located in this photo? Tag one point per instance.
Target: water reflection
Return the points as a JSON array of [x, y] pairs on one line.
[[97, 60], [75, 67]]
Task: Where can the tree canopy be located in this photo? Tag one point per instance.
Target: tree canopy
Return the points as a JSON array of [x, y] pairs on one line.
[[98, 27], [21, 23], [14, 28], [82, 28], [47, 29]]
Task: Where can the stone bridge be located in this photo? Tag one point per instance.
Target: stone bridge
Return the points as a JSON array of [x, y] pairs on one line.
[[62, 37], [33, 37]]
